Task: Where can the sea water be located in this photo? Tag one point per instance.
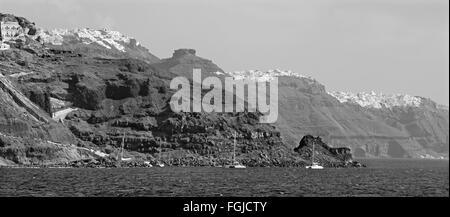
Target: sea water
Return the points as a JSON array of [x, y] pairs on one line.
[[380, 178]]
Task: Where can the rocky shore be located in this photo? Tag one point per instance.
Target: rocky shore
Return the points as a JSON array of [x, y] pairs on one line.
[[325, 156]]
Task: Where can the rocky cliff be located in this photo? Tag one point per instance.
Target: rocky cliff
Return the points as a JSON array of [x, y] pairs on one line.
[[373, 125]]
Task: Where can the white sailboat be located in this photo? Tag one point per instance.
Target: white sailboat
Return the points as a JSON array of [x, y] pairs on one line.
[[236, 164], [121, 151], [314, 165], [160, 164], [148, 164]]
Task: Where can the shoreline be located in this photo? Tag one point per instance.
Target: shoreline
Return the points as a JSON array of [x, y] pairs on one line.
[[130, 166], [357, 163]]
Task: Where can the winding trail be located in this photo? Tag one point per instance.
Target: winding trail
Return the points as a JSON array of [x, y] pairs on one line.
[[20, 74], [61, 115]]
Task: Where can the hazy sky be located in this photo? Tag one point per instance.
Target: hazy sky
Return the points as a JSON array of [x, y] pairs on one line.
[[389, 46]]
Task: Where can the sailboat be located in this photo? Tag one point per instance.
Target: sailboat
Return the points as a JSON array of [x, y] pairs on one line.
[[121, 151], [160, 164], [314, 165], [148, 164], [236, 164]]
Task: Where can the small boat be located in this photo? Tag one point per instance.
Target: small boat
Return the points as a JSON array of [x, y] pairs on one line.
[[314, 165], [121, 150], [148, 164], [236, 164]]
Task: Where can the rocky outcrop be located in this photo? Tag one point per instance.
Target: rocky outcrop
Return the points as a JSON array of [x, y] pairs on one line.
[[40, 97], [181, 52], [184, 61], [87, 92], [324, 154]]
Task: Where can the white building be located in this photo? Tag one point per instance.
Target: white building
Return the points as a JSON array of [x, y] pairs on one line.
[[10, 30], [4, 46]]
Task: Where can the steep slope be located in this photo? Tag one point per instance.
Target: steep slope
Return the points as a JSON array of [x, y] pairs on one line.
[[424, 121], [28, 135]]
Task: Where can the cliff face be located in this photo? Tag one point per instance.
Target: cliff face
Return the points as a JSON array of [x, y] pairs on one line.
[[400, 126], [426, 128]]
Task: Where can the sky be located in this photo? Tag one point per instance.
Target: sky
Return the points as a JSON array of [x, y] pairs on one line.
[[388, 46]]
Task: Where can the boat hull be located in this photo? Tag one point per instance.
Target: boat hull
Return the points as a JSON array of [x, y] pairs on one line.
[[236, 167], [314, 167]]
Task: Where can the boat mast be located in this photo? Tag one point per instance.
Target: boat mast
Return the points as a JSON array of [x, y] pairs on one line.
[[234, 147], [123, 143], [159, 154]]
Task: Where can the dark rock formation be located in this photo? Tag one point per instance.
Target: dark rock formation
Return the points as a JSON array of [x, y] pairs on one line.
[[181, 52], [87, 92], [324, 154], [39, 97]]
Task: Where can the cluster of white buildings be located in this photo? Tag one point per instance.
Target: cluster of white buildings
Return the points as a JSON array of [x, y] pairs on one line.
[[262, 76], [377, 100], [105, 38]]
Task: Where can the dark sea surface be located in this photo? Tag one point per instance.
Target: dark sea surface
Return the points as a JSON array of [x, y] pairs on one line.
[[380, 178]]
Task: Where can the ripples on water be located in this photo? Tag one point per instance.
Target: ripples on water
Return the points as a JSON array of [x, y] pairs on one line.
[[382, 178]]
